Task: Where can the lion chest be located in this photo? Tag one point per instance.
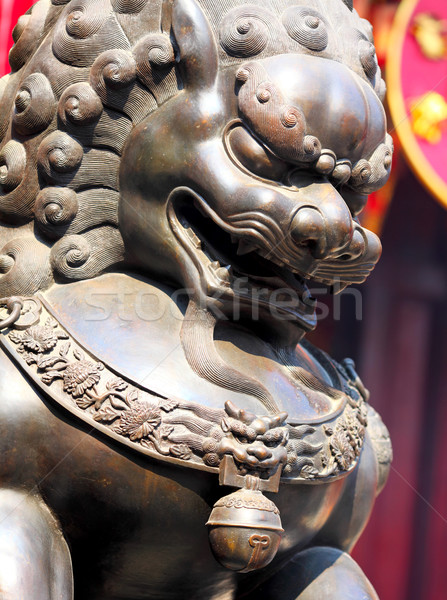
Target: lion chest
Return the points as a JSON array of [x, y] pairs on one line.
[[140, 522]]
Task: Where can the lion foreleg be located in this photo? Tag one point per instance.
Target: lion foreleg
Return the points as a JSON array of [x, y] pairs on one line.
[[35, 561], [320, 573]]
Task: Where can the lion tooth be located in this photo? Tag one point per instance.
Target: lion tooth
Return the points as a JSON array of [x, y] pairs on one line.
[[245, 247], [280, 263], [215, 265], [224, 274], [336, 289], [193, 237]]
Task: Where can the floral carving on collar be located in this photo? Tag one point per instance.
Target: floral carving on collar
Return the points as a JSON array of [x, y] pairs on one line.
[[183, 430]]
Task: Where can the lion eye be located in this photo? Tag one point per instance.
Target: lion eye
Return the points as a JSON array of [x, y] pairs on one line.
[[255, 157]]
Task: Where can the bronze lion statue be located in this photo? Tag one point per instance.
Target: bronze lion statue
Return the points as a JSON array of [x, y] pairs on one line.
[[175, 175]]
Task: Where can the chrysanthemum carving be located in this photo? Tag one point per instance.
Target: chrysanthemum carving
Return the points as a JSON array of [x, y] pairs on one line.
[[342, 449], [140, 420], [81, 376], [38, 338]]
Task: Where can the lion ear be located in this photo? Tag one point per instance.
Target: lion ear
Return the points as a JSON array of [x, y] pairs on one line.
[[197, 47]]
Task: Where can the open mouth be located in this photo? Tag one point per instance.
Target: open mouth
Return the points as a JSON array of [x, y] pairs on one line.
[[232, 268]]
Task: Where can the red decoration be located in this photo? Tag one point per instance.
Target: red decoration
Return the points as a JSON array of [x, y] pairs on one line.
[[10, 11], [417, 89]]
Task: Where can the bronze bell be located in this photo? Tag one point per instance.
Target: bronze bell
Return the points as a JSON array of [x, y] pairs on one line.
[[245, 529]]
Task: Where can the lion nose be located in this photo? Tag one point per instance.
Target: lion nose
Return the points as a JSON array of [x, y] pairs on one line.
[[323, 229], [307, 229], [259, 452]]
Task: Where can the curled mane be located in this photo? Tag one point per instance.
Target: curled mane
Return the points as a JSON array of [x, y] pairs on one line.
[[84, 73]]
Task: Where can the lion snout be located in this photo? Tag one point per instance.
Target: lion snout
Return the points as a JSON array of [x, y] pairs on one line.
[[324, 226]]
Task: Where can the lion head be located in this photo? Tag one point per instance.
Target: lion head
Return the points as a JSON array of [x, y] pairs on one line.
[[204, 144]]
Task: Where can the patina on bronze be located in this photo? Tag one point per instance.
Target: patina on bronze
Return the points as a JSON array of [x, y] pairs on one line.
[[172, 176]]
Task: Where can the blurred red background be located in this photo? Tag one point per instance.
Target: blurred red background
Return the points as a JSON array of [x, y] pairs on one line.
[[401, 352], [10, 11]]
